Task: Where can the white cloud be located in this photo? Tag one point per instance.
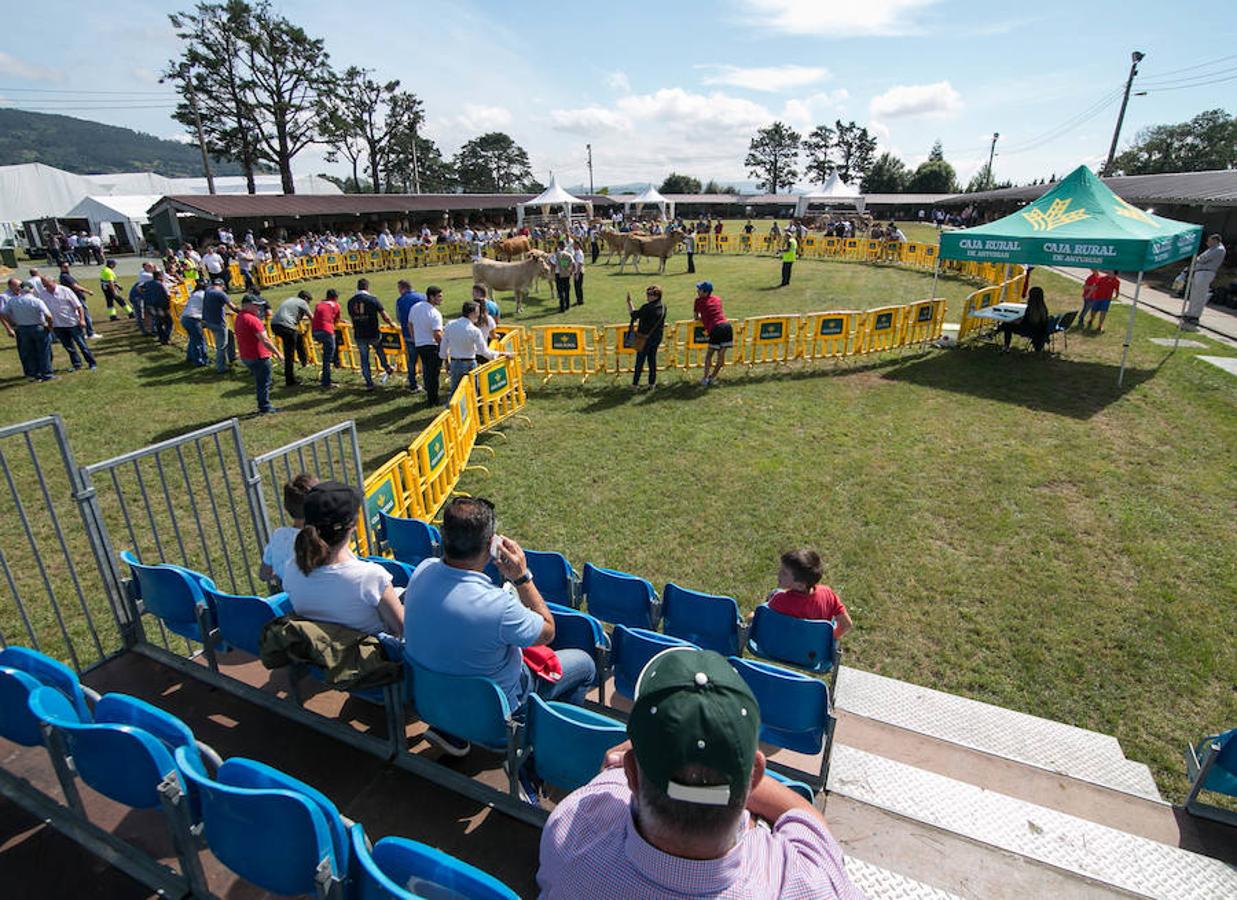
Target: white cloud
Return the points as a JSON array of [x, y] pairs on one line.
[[18, 68], [617, 81], [832, 18], [590, 120], [477, 118], [938, 99], [773, 79]]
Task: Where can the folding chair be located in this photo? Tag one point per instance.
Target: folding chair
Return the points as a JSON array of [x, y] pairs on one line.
[[469, 707], [23, 671], [173, 594], [401, 572], [269, 828], [574, 630], [1061, 325], [1212, 766], [411, 540], [806, 643], [633, 648], [400, 869], [240, 617], [794, 711], [556, 579], [619, 598], [707, 620], [565, 744]]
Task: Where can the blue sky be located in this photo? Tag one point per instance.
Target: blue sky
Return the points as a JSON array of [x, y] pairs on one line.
[[657, 87]]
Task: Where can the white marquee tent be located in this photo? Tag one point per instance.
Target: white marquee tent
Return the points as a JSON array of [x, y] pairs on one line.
[[553, 196], [650, 195], [833, 192], [122, 215]]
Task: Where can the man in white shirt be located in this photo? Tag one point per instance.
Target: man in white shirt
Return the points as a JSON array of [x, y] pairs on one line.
[[426, 322], [1205, 268], [32, 321], [577, 271], [215, 267], [463, 344], [68, 320]]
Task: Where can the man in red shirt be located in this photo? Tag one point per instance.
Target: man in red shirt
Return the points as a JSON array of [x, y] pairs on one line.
[[800, 593], [1102, 295], [255, 348], [1088, 294], [708, 311]]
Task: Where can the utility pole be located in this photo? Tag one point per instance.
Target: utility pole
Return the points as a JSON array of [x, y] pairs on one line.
[[192, 97], [991, 153], [589, 147], [1136, 57]]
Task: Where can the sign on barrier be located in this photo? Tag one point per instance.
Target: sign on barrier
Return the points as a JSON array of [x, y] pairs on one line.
[[771, 339], [565, 350], [827, 335], [879, 329], [430, 449], [384, 493], [924, 321]]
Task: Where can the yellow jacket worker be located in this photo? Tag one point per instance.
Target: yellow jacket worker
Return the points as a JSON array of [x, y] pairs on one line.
[[789, 251]]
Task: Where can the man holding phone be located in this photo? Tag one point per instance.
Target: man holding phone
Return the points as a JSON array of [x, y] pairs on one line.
[[467, 626]]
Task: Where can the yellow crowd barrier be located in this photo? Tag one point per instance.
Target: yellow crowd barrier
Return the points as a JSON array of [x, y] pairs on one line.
[[689, 343], [771, 339], [828, 335], [566, 350]]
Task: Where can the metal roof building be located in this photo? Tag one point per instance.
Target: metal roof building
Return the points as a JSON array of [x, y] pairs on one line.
[[1216, 188]]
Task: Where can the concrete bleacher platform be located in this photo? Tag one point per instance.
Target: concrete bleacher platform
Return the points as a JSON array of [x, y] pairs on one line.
[[931, 795]]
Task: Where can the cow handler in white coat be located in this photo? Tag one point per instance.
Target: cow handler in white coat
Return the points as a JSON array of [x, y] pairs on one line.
[[1205, 268]]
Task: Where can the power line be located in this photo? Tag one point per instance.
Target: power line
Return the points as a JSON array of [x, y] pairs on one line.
[[17, 90], [1201, 76], [1201, 65], [1182, 87], [1063, 128], [60, 109]]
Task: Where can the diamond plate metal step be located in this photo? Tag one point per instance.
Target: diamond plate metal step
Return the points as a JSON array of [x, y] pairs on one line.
[[881, 884], [1066, 842], [1075, 752]]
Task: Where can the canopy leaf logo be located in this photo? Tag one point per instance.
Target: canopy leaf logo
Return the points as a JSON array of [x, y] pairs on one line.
[[1055, 217], [1133, 212]]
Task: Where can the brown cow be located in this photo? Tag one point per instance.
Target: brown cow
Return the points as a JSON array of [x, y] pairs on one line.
[[663, 246], [614, 242], [512, 247], [510, 276]]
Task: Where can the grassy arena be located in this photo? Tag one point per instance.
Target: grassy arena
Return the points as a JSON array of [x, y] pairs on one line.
[[1011, 529]]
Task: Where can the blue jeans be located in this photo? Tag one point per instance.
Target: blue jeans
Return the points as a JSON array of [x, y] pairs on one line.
[[34, 347], [163, 323], [196, 352], [363, 345], [410, 357], [72, 340], [261, 369], [459, 370], [579, 674], [225, 347], [330, 349]]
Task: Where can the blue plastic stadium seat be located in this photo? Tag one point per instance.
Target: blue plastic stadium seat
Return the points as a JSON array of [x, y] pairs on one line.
[[556, 579], [707, 620], [22, 671], [806, 643], [400, 869], [794, 709], [241, 617], [574, 630], [491, 572], [401, 573], [411, 540], [269, 828], [1212, 766], [620, 598], [174, 595], [467, 706], [568, 743], [633, 648]]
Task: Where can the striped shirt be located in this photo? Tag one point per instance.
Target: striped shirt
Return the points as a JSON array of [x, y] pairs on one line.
[[591, 848]]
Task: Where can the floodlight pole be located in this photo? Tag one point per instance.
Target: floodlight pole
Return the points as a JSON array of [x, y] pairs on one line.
[[1129, 329], [1136, 57], [589, 148], [991, 153]]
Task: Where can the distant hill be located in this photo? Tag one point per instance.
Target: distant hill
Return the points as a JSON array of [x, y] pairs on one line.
[[92, 148]]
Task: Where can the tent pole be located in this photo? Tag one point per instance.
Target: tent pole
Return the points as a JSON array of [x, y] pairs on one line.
[[1185, 298], [1129, 329]]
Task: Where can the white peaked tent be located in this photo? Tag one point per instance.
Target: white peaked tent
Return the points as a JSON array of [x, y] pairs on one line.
[[834, 191], [123, 215], [651, 195], [553, 196]]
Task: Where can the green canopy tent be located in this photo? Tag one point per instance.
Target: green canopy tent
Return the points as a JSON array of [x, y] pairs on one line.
[[1080, 222]]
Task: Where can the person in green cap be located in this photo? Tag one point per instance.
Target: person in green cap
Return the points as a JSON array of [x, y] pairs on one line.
[[670, 814]]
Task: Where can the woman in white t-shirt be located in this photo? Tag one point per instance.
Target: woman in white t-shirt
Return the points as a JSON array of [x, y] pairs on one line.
[[328, 583], [280, 551], [191, 321]]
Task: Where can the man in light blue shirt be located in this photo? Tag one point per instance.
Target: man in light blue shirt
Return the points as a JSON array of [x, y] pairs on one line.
[[464, 625]]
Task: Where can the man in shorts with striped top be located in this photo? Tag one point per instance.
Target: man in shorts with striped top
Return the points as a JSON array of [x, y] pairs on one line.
[[708, 311], [672, 813]]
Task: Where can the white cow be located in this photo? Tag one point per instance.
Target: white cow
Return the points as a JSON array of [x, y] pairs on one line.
[[510, 276]]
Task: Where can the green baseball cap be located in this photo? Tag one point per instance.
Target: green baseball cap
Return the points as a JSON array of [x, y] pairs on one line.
[[692, 708]]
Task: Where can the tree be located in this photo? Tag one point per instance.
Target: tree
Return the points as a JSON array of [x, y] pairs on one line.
[[416, 165], [714, 188], [771, 157], [288, 74], [888, 175], [680, 184], [492, 163], [212, 67], [937, 153], [934, 175], [855, 149], [1207, 141], [360, 112], [818, 146], [339, 133]]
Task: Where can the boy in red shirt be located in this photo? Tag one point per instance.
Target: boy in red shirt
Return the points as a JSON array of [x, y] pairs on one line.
[[1101, 296], [1088, 294], [255, 349], [801, 595], [708, 312]]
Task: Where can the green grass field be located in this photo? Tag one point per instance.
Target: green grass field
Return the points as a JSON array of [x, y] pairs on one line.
[[1014, 529]]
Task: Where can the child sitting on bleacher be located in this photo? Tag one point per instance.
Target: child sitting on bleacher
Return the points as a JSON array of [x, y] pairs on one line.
[[280, 549], [801, 595]]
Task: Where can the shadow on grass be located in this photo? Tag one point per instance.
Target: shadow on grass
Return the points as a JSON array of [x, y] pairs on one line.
[[1065, 387]]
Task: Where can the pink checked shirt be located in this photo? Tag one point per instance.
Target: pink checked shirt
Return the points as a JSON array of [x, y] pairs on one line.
[[590, 848]]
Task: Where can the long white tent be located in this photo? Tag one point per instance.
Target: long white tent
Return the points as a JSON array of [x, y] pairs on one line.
[[552, 196], [122, 215]]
